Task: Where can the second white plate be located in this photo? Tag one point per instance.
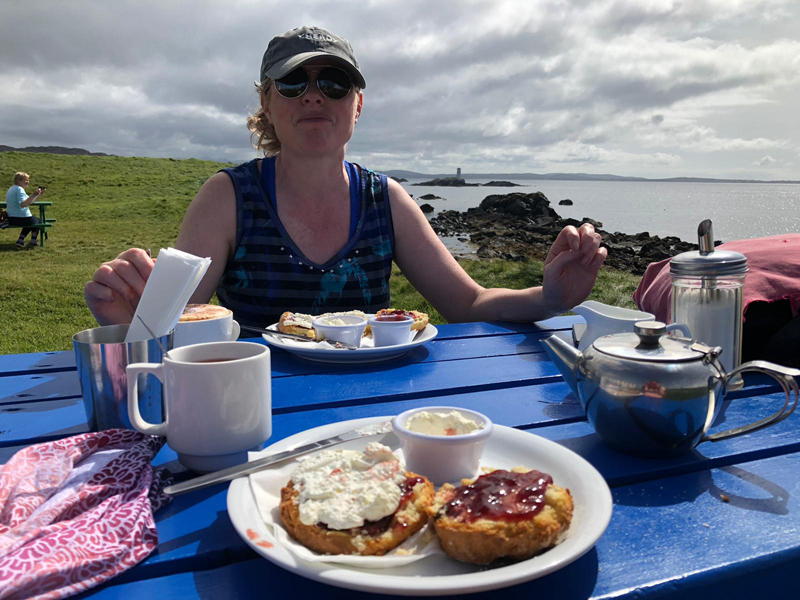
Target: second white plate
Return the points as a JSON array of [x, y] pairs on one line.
[[367, 352]]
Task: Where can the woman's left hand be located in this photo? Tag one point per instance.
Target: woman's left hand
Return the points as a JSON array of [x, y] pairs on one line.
[[571, 267]]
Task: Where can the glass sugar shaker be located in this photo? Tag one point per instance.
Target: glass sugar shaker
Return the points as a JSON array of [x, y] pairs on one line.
[[707, 290]]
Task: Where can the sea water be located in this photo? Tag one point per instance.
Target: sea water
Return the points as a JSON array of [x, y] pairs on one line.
[[738, 210]]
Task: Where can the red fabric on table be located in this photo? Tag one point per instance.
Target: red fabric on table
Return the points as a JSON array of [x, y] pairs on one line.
[[78, 511], [774, 274]]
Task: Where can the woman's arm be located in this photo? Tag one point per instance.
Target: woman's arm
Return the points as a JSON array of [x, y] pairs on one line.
[[570, 271], [30, 199], [208, 229]]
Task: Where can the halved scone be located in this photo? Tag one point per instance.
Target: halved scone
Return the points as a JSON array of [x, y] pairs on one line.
[[297, 324], [374, 537], [348, 502], [303, 324], [502, 514]]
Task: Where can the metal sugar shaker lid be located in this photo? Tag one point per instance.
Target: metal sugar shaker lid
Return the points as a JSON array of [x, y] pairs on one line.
[[708, 262], [650, 343]]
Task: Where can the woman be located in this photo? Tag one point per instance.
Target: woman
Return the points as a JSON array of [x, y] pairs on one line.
[[19, 215], [306, 231]]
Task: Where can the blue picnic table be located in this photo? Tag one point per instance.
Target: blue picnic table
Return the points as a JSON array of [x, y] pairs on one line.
[[722, 521]]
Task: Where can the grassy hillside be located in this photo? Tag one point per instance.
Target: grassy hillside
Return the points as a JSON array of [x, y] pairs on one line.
[[105, 204]]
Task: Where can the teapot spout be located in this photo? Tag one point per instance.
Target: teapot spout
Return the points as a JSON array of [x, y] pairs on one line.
[[566, 358]]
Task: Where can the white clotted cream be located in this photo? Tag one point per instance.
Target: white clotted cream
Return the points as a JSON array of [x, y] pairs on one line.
[[345, 488], [334, 321], [435, 423]]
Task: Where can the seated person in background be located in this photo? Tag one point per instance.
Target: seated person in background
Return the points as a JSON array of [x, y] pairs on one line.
[[304, 230], [19, 215]]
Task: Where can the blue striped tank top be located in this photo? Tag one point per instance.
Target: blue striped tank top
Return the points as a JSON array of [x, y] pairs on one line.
[[268, 275]]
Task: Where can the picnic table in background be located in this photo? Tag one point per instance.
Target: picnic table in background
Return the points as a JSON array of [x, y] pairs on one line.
[[44, 222], [722, 521]]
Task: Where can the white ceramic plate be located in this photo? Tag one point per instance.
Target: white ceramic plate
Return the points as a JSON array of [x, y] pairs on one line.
[[366, 353], [439, 575]]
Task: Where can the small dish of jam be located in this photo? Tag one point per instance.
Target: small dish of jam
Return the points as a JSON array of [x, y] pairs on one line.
[[444, 443], [391, 329]]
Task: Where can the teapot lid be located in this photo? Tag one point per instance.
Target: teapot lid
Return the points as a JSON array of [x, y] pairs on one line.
[[650, 343]]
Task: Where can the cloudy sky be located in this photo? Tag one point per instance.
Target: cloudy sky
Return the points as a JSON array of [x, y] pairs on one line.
[[653, 88]]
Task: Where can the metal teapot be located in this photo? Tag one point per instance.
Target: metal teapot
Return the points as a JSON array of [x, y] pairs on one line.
[[649, 394]]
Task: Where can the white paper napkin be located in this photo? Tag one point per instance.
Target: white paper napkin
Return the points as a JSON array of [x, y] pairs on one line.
[[266, 486], [174, 279]]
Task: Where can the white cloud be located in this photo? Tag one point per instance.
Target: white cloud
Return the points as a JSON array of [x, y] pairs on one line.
[[765, 161], [636, 85]]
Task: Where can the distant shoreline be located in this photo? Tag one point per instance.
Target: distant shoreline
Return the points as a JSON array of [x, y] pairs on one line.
[[577, 177], [400, 173]]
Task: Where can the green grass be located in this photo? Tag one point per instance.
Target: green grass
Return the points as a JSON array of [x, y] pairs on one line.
[[104, 205], [613, 287]]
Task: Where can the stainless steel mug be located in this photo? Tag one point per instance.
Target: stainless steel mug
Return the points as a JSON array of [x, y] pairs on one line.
[[102, 355]]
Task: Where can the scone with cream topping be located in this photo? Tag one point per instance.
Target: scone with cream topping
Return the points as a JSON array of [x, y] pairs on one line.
[[303, 324], [351, 502], [502, 514]]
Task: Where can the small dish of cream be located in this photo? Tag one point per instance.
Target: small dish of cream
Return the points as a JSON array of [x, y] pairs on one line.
[[445, 443], [348, 329], [443, 423]]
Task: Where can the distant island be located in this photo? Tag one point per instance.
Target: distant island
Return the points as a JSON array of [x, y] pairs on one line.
[[460, 182], [503, 177]]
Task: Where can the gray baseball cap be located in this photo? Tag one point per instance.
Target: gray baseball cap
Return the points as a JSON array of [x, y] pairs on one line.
[[288, 51]]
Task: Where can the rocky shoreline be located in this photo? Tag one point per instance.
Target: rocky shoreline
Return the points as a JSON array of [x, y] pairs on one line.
[[520, 226]]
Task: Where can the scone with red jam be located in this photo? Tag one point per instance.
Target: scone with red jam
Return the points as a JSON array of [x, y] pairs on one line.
[[502, 514], [351, 502]]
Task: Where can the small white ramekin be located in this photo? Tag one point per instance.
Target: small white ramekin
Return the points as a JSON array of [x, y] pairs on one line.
[[391, 333], [443, 458], [349, 333]]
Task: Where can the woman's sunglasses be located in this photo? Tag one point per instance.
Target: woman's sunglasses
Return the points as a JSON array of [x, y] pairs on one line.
[[332, 83]]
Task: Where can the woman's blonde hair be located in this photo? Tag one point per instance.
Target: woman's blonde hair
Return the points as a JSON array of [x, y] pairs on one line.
[[262, 132], [20, 177]]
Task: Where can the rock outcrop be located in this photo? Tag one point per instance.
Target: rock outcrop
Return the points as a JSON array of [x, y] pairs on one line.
[[519, 226], [448, 181], [502, 184]]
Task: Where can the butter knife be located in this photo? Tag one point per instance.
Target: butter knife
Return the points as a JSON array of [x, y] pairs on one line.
[[260, 464]]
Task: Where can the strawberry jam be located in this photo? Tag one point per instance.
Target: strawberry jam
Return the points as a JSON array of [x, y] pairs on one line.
[[395, 315], [408, 488], [500, 496]]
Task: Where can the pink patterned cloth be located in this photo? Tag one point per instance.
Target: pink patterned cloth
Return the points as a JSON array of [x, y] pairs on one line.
[[774, 274], [76, 512]]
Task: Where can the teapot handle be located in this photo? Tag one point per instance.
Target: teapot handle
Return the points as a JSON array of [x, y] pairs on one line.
[[784, 376]]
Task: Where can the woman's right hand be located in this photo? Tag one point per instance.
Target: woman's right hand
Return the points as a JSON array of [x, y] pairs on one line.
[[114, 292]]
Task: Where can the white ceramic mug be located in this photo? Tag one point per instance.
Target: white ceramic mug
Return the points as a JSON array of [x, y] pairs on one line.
[[202, 323], [217, 402]]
